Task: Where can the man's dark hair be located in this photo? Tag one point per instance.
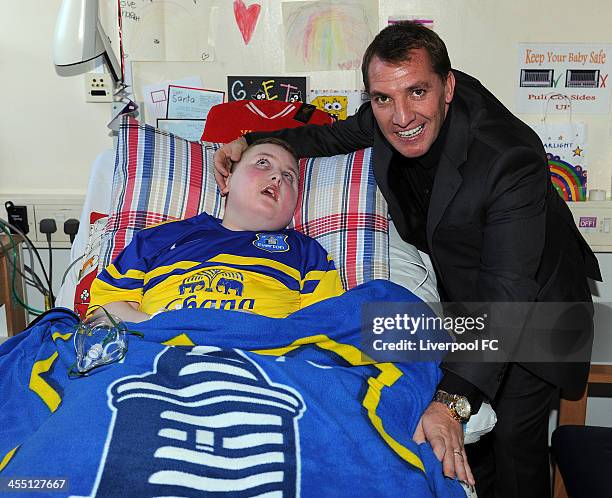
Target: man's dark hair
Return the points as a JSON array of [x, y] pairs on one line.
[[394, 43]]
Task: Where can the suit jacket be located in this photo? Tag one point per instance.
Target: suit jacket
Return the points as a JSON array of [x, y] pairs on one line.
[[496, 228]]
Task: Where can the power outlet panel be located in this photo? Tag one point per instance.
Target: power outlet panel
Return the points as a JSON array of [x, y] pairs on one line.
[[59, 213], [40, 207], [98, 87], [594, 221]]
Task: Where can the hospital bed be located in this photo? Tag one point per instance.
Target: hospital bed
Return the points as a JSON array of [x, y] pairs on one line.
[[121, 174], [408, 266]]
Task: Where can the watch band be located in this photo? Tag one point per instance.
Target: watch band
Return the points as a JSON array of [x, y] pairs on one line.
[[458, 406]]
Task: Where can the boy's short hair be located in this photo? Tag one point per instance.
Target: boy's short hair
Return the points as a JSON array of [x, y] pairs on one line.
[[273, 141]]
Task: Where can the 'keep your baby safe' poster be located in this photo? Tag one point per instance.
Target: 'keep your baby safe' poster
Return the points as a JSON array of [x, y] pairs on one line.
[[578, 73]]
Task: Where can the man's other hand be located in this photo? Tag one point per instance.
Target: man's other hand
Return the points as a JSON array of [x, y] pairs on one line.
[[223, 159], [445, 435]]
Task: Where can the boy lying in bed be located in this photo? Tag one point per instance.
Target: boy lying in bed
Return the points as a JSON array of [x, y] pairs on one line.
[[249, 261]]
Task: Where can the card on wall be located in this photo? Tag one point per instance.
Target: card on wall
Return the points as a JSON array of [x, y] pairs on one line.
[[566, 148], [155, 97], [191, 103], [283, 88], [189, 129]]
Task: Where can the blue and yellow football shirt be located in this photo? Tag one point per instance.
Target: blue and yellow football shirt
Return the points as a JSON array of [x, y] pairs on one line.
[[199, 263]]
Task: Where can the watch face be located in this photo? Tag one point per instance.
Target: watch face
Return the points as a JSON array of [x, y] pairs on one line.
[[462, 407]]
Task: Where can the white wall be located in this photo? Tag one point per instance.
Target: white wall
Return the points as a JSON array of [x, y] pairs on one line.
[[49, 136]]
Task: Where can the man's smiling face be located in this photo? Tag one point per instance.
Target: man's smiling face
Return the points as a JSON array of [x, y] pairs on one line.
[[410, 101]]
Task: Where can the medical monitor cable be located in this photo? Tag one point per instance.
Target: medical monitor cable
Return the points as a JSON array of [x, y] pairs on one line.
[[33, 280], [70, 266], [48, 227], [31, 249], [32, 311]]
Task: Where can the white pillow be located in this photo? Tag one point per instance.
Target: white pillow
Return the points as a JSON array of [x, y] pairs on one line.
[[479, 424], [411, 268]]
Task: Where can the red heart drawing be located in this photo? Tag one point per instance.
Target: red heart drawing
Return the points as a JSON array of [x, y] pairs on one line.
[[246, 18]]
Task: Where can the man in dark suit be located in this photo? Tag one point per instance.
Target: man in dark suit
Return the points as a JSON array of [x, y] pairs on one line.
[[468, 183]]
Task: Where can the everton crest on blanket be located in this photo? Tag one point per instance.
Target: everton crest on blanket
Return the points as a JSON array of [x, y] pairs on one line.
[[213, 402]]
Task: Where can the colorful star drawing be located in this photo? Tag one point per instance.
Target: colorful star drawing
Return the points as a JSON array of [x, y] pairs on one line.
[[577, 151]]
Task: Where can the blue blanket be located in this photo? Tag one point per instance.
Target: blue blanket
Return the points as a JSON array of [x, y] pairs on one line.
[[216, 401]]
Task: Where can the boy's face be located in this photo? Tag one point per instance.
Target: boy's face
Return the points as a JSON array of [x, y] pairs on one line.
[[263, 190]]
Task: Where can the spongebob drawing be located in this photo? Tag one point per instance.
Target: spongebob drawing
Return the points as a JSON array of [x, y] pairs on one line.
[[336, 105]]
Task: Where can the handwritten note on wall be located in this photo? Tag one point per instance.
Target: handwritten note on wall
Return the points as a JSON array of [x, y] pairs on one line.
[[191, 103], [167, 30]]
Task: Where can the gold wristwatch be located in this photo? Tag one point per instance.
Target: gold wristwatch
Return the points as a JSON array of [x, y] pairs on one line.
[[458, 406]]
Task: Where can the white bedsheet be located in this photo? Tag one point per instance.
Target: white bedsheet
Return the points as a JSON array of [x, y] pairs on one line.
[[97, 199]]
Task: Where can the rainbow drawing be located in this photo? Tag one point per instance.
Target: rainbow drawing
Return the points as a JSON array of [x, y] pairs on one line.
[[320, 36], [569, 180]]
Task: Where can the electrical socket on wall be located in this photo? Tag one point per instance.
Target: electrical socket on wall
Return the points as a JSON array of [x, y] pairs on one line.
[[40, 207], [59, 213], [98, 87]]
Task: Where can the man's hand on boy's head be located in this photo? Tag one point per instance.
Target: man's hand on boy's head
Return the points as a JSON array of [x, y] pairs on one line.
[[223, 159]]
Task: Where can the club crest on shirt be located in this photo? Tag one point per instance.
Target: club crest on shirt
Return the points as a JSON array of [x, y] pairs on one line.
[[271, 242]]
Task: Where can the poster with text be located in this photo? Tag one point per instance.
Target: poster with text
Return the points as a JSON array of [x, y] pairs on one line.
[[578, 72], [282, 88]]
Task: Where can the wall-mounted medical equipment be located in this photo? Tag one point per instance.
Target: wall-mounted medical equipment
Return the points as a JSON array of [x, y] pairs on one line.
[[87, 29]]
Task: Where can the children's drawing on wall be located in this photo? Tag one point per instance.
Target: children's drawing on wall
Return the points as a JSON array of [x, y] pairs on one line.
[[246, 18], [322, 36], [167, 30], [338, 103], [566, 149], [281, 88]]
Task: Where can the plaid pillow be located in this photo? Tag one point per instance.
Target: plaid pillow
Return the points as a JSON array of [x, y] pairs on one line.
[[159, 177], [341, 207]]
